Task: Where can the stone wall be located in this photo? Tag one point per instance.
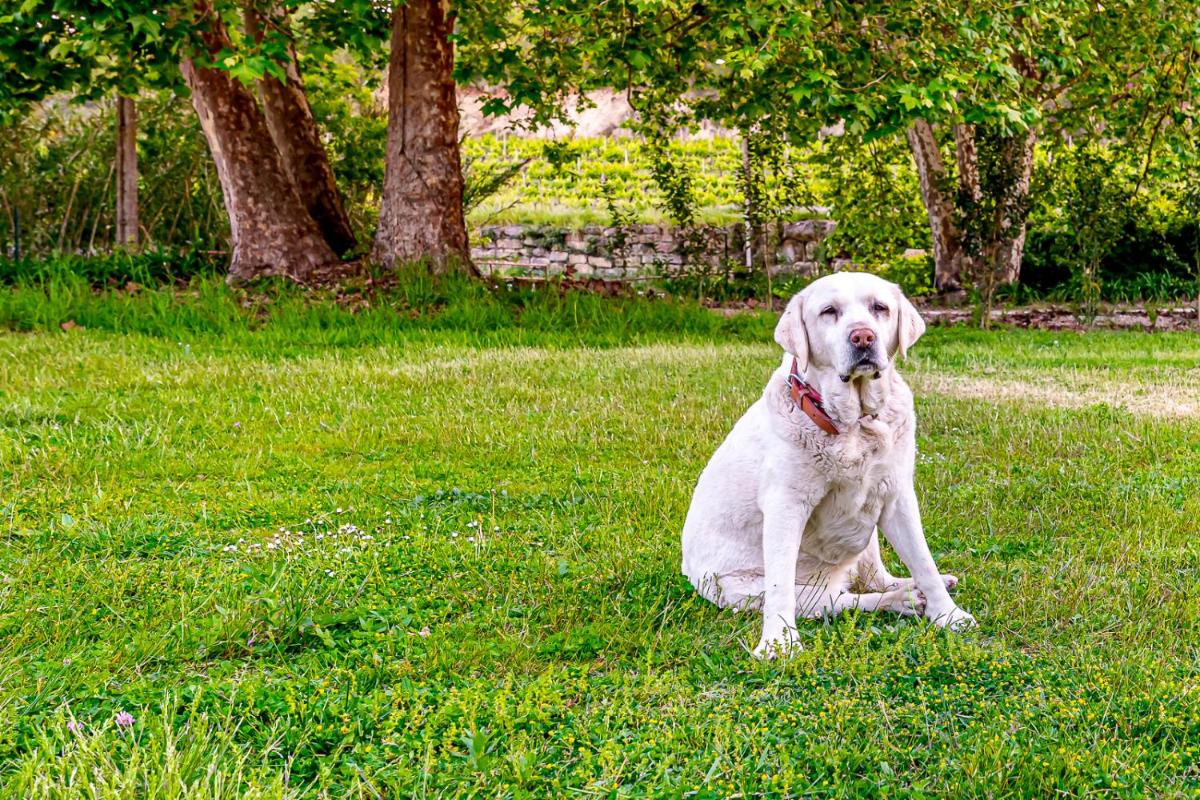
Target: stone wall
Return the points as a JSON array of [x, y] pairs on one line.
[[640, 251]]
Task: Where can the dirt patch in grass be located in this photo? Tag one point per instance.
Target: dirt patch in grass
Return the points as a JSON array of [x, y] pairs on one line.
[[1174, 398]]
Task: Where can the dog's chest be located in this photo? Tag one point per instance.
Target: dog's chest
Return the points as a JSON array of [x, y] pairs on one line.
[[842, 523]]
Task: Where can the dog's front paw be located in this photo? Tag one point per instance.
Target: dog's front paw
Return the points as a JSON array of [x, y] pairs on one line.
[[777, 643], [950, 616], [905, 601]]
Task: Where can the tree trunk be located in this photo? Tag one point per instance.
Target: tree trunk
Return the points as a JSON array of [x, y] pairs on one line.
[[294, 131], [271, 231], [939, 204], [747, 204], [1007, 171], [976, 261], [127, 171], [1018, 153], [421, 215], [966, 158]]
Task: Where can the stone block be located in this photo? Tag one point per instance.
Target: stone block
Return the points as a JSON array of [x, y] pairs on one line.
[[790, 251], [795, 268], [808, 230]]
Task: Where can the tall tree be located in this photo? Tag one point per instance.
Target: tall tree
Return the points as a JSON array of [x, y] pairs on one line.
[[271, 231], [294, 131], [977, 227], [127, 172], [421, 215], [1071, 68]]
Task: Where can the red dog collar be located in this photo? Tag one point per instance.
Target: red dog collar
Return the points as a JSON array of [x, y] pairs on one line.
[[809, 400]]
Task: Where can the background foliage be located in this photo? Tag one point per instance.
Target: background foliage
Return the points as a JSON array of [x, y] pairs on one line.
[[866, 63], [56, 174]]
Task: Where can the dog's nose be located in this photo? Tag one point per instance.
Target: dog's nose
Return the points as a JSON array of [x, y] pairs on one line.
[[862, 337]]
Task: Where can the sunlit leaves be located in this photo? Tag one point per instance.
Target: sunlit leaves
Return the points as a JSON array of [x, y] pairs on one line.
[[92, 49], [87, 48], [873, 63]]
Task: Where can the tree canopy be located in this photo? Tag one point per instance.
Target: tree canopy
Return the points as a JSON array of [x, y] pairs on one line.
[[878, 65]]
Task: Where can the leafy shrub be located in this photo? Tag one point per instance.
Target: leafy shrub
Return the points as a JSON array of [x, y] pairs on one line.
[[1046, 262], [1148, 233], [875, 198], [914, 275], [1095, 206]]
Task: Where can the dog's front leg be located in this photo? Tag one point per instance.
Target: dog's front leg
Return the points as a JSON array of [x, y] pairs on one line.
[[784, 518], [901, 524]]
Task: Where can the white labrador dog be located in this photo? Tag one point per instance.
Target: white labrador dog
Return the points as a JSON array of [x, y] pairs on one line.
[[784, 516]]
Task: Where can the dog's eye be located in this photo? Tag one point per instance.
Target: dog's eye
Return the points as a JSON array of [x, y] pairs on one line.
[[879, 308], [829, 310]]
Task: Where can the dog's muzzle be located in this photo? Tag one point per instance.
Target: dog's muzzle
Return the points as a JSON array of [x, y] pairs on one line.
[[863, 361]]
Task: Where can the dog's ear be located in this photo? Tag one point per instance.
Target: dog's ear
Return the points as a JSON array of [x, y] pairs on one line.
[[790, 332], [909, 325]]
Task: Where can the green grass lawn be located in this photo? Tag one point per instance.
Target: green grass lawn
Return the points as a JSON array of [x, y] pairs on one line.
[[419, 564]]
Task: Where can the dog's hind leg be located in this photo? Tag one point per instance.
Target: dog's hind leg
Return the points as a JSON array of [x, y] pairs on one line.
[[740, 591], [872, 574], [815, 602]]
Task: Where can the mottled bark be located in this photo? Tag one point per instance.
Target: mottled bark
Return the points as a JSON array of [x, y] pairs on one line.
[[1018, 153], [127, 172], [270, 229], [939, 205], [966, 158], [1008, 172], [1008, 189], [294, 131], [421, 215]]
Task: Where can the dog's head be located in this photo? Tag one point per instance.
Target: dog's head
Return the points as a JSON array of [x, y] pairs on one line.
[[853, 322]]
